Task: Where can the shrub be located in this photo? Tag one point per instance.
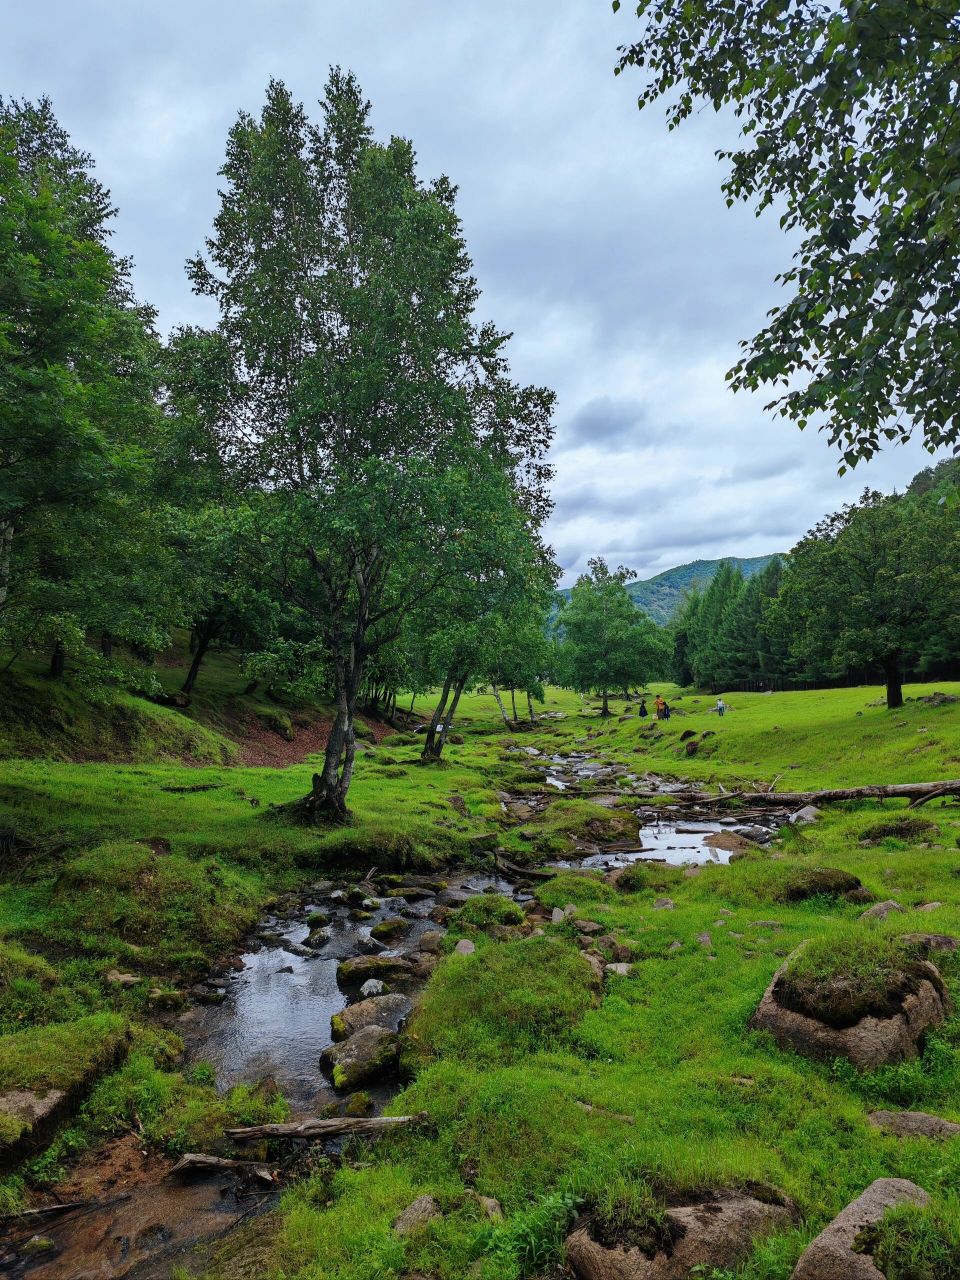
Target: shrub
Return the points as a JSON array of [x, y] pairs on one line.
[[487, 909]]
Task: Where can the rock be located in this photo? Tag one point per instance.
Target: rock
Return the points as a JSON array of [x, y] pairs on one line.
[[491, 1208], [596, 964], [118, 979], [664, 904], [803, 817], [588, 927], [389, 929], [690, 872], [166, 998], [368, 1054], [285, 968], [208, 995], [377, 1011], [704, 939], [423, 964], [926, 906], [717, 1232], [358, 1104], [676, 945], [557, 916], [35, 1111], [831, 1255], [453, 897], [430, 941], [861, 895], [913, 1124], [870, 1042], [356, 971], [464, 947], [621, 970], [881, 910], [416, 1216], [923, 943]]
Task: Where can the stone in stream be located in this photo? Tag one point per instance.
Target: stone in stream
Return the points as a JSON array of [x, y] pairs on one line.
[[718, 1231], [453, 897], [372, 987], [377, 1011], [358, 969], [392, 927], [832, 1255], [430, 941], [368, 1054], [913, 1124]]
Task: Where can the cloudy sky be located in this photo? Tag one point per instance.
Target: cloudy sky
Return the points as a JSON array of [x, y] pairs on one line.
[[600, 239]]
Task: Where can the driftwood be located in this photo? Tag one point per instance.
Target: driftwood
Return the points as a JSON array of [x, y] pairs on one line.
[[199, 1162], [916, 791], [337, 1127], [524, 873], [68, 1206]]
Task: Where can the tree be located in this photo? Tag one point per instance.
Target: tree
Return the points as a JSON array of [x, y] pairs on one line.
[[850, 128], [606, 642], [82, 536], [874, 584], [373, 411]]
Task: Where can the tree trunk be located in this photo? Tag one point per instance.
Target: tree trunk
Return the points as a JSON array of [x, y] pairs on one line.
[[448, 719], [429, 751], [503, 709], [58, 661], [6, 548], [894, 680], [412, 701], [513, 703], [106, 644], [533, 716], [327, 801], [606, 703], [204, 635], [873, 791]]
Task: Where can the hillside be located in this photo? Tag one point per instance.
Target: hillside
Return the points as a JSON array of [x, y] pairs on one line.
[[661, 596]]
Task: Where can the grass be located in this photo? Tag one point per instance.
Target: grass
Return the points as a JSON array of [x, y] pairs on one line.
[[540, 1093]]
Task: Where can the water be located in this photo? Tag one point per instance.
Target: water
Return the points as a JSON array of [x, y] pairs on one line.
[[663, 842]]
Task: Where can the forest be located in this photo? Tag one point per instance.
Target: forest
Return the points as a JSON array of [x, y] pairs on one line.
[[370, 907]]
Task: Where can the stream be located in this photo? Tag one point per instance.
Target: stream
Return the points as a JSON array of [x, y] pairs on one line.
[[264, 1016]]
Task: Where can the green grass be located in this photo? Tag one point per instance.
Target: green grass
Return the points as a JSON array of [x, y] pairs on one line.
[[540, 1093]]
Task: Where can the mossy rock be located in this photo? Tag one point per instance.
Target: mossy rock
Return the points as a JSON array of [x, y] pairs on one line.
[[653, 877], [909, 826], [387, 930], [487, 910], [801, 883]]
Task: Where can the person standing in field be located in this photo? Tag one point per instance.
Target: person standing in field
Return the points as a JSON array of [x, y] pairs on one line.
[[642, 711], [660, 706], [721, 707]]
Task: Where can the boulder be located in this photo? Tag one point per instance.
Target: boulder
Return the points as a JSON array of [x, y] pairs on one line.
[[831, 1256], [464, 947], [588, 926], [490, 1208], [453, 897], [355, 971], [368, 1054], [803, 817], [389, 929], [377, 1011], [880, 910], [663, 904], [813, 882], [923, 943], [872, 1041], [416, 1216], [929, 906], [430, 941], [718, 1231], [620, 970], [913, 1124]]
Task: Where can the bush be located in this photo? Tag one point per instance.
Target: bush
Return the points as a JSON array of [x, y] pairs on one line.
[[653, 876], [487, 909]]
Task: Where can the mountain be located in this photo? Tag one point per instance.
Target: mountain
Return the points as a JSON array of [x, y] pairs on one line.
[[660, 597]]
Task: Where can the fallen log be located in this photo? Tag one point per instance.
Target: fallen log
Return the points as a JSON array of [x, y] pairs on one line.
[[916, 791], [524, 873], [200, 1162], [67, 1206], [337, 1127]]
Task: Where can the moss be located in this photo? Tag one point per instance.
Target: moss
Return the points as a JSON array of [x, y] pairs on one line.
[[62, 1054], [908, 826], [800, 883], [653, 877], [841, 980]]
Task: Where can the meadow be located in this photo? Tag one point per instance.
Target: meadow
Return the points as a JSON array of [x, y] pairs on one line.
[[544, 1092]]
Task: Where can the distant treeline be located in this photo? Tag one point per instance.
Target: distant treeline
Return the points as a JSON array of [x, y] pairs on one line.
[[872, 590]]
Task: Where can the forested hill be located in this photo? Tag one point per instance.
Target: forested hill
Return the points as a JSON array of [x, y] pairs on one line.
[[660, 597]]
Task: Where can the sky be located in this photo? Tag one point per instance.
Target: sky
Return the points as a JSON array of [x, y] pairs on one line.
[[600, 240]]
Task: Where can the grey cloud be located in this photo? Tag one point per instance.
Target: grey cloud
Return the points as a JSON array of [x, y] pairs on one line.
[[604, 420]]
